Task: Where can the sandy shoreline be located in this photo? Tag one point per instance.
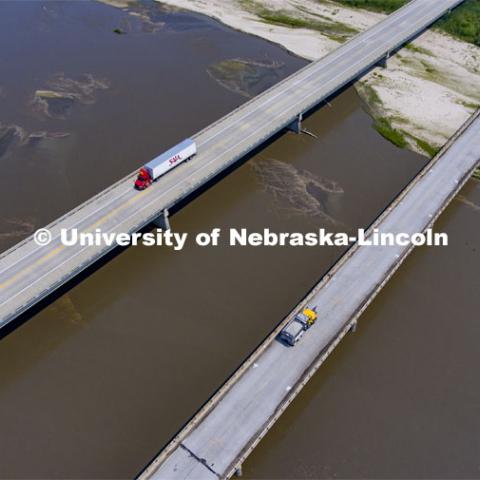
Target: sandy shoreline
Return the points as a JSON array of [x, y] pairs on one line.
[[427, 92]]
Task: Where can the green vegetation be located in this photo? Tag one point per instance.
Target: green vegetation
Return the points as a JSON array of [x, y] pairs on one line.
[[399, 137], [476, 174], [370, 94], [416, 49], [386, 130], [470, 105], [227, 67], [49, 94], [334, 30], [430, 150], [463, 22], [386, 6], [283, 18]]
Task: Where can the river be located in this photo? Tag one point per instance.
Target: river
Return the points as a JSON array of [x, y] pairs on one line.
[[95, 383], [400, 398]]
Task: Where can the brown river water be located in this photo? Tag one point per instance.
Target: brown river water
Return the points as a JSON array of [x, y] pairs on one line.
[[97, 381]]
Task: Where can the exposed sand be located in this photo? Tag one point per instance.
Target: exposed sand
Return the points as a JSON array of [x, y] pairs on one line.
[[427, 91]]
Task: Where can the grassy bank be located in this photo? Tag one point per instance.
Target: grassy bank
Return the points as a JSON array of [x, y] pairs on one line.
[[384, 128], [334, 30], [383, 6], [462, 23]]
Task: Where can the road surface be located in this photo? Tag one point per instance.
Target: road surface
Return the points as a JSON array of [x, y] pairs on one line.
[[29, 272], [218, 439]]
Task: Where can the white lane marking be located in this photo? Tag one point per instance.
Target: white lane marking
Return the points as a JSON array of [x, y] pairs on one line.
[[201, 167], [56, 237], [241, 141], [81, 250], [377, 29], [284, 92]]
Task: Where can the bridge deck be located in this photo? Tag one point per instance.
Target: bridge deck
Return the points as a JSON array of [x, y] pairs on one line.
[[221, 436], [29, 272]]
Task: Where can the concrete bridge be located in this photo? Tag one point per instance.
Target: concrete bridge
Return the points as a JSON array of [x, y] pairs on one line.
[[29, 272], [218, 439]]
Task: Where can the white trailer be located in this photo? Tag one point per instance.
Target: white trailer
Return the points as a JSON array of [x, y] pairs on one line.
[[171, 158], [165, 162]]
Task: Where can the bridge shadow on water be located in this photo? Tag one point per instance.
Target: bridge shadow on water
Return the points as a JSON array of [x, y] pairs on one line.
[[255, 151], [70, 284]]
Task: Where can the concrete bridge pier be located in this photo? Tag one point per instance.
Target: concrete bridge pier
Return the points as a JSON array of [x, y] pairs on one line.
[[383, 62], [162, 221], [239, 471], [296, 125]]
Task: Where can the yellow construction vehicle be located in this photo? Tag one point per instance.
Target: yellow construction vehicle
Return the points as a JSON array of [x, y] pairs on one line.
[[296, 327], [307, 317]]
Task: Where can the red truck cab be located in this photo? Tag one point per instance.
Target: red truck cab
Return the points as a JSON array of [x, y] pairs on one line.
[[143, 180]]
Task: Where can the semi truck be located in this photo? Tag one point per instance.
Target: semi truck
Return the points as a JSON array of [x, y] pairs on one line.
[[295, 328], [165, 162]]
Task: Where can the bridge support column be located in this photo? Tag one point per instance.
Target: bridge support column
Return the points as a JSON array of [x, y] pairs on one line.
[[238, 471], [296, 125], [162, 221], [383, 62]]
